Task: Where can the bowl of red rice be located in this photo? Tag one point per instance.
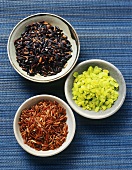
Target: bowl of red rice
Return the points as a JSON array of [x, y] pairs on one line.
[[44, 125]]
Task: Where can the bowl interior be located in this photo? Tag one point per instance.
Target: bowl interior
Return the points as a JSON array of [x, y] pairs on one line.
[[70, 123], [114, 72], [55, 21]]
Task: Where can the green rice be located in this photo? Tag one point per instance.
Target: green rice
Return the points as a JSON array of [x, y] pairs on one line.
[[95, 89]]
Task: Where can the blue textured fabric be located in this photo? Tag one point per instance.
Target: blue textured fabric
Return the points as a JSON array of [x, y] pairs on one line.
[[105, 32]]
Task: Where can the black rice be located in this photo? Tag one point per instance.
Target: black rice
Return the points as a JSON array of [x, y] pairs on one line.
[[42, 49]]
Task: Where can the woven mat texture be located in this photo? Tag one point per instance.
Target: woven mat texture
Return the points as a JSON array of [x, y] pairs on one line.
[[104, 28]]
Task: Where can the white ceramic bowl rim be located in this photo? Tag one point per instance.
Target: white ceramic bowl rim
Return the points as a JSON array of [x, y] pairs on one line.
[[84, 112], [69, 136], [73, 35]]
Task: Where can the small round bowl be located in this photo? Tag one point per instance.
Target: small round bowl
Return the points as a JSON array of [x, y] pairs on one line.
[[70, 122], [54, 20], [114, 72]]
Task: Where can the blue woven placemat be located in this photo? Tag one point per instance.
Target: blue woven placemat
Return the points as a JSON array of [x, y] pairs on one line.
[[105, 31]]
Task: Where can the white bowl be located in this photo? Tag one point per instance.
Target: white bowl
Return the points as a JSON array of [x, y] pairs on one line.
[[70, 122], [54, 20], [114, 72]]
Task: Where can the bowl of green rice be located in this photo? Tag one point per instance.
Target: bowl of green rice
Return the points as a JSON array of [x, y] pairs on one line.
[[95, 89]]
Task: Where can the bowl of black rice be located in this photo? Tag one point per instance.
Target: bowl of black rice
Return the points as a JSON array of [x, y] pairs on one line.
[[43, 47]]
